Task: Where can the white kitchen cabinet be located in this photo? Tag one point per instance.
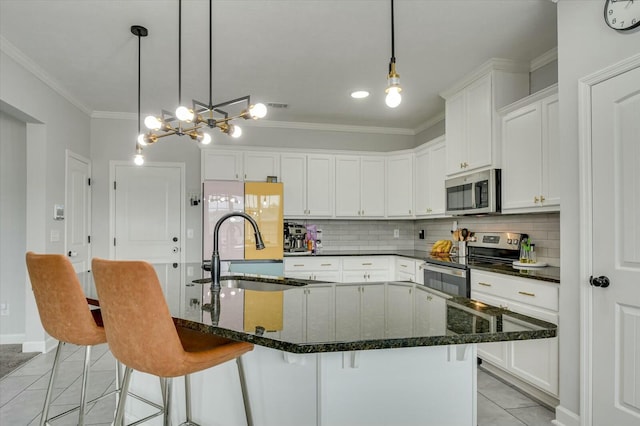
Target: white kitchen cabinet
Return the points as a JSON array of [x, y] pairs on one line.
[[360, 312], [324, 268], [405, 269], [399, 310], [400, 185], [533, 361], [472, 123], [430, 174], [359, 180], [531, 154], [257, 165], [357, 269], [430, 313], [308, 185], [221, 165]]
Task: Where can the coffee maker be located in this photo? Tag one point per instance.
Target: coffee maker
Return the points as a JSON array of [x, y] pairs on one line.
[[294, 236]]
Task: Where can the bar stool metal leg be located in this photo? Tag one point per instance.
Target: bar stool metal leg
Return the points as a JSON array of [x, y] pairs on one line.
[[85, 379], [124, 390], [47, 399]]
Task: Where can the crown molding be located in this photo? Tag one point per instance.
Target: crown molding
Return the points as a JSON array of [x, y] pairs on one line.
[[112, 115], [332, 127], [429, 123], [544, 59], [493, 64], [16, 54]]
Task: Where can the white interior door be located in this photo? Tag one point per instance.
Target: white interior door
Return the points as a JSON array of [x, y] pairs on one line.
[[148, 212], [615, 124], [78, 211]]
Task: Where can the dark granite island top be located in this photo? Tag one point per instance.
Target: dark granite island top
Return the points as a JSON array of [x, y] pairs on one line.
[[327, 317]]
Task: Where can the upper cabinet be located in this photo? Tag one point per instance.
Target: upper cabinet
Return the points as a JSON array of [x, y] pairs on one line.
[[218, 164], [400, 185], [308, 185], [360, 186], [430, 174], [531, 154], [472, 123]]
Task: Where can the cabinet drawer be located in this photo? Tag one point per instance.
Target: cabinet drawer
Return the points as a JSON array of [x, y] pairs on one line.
[[406, 266], [532, 292], [365, 263], [312, 264]]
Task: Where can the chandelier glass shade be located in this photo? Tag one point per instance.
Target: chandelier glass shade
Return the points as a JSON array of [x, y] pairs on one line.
[[193, 120]]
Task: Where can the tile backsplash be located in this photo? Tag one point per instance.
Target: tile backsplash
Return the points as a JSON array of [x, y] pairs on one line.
[[342, 235]]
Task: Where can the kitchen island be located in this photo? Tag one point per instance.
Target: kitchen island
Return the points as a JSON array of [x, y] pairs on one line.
[[388, 353]]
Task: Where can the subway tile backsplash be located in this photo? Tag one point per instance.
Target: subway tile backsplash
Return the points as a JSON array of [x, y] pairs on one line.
[[342, 235]]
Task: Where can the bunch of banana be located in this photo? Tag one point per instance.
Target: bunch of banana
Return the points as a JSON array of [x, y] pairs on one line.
[[441, 246]]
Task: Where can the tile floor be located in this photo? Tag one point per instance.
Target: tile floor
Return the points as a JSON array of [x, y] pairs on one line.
[[22, 393]]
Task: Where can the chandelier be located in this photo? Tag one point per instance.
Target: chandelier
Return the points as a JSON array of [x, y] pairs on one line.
[[393, 89], [192, 121]]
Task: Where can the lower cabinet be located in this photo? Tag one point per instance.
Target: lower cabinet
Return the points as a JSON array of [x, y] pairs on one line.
[[405, 269], [323, 268], [532, 361], [358, 269]]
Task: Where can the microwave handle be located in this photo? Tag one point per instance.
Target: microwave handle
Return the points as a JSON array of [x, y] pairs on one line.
[[473, 195]]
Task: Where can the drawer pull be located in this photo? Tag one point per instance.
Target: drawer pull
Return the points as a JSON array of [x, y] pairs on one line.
[[298, 264], [325, 264], [524, 293], [402, 265], [367, 264], [484, 284]]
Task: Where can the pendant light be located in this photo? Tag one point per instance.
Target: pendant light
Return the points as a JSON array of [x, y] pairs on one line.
[[393, 90], [191, 121], [139, 31]]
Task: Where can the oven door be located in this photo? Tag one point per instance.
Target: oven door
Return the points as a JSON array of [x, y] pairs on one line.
[[452, 281]]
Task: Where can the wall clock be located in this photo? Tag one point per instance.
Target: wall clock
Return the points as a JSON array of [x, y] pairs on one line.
[[622, 15]]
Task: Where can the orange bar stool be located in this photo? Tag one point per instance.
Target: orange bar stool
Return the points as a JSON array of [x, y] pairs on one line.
[[142, 335], [65, 316]]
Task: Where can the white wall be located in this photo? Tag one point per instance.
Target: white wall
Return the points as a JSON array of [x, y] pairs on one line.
[[53, 124], [13, 224], [585, 45], [114, 139]]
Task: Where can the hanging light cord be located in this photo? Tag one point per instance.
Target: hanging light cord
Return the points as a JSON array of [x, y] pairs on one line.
[[179, 52], [139, 77], [393, 44], [210, 55]]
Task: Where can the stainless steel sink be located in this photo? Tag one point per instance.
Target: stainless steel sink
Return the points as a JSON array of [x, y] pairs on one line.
[[254, 285]]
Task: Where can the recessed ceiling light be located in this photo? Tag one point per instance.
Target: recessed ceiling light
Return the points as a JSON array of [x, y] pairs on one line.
[[359, 94]]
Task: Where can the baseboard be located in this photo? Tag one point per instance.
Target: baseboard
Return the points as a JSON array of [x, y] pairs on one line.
[[11, 339], [40, 345], [565, 417]]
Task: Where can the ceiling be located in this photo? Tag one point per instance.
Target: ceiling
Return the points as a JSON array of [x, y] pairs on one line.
[[307, 54]]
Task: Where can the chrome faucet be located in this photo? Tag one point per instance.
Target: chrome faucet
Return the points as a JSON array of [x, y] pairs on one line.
[[215, 257]]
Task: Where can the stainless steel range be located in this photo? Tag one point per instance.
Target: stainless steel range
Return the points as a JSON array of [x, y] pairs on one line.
[[450, 274]]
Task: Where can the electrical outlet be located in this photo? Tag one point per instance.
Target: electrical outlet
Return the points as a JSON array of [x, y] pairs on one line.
[[189, 233], [189, 271], [4, 309], [396, 233]]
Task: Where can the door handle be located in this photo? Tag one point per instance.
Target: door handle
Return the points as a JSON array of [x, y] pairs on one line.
[[72, 253], [600, 281], [175, 239]]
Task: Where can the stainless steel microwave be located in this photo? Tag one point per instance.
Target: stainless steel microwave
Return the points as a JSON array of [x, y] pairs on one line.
[[477, 193]]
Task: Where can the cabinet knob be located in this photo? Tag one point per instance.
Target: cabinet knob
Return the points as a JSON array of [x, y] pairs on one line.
[[542, 198], [536, 199]]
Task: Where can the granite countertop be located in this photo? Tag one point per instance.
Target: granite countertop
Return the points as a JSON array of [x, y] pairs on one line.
[[416, 254], [279, 319]]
